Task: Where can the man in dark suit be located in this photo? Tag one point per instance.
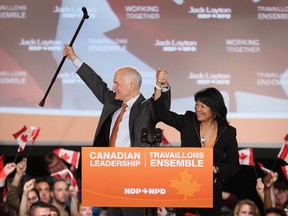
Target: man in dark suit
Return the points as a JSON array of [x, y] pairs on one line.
[[138, 115]]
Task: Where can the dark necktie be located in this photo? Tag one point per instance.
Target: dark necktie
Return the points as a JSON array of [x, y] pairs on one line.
[[113, 136]]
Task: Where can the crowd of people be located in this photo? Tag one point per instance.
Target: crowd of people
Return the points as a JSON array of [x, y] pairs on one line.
[[273, 194], [125, 113], [25, 195]]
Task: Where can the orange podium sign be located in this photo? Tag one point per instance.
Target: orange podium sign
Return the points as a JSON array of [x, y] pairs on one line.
[[147, 177]]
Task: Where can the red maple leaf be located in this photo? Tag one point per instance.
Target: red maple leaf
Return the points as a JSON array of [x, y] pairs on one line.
[[65, 156], [242, 156], [24, 137]]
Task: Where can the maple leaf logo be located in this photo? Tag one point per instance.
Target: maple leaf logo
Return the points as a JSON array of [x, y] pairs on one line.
[[65, 156], [242, 156], [24, 137], [184, 185]]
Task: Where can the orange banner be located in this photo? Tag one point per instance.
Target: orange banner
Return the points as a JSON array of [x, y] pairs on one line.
[[147, 177]]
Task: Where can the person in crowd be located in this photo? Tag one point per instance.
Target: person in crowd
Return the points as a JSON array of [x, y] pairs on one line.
[[53, 163], [273, 211], [5, 209], [14, 187], [60, 195], [40, 208], [269, 180], [42, 185], [90, 210], [207, 127], [29, 196], [246, 207], [98, 211], [138, 112], [54, 211], [33, 196], [279, 192], [73, 194], [260, 191], [85, 210]]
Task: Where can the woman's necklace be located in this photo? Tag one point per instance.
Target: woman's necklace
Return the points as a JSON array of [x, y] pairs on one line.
[[208, 135], [205, 136], [203, 140]]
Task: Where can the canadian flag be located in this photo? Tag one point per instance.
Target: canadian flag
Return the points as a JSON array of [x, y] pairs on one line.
[[22, 138], [283, 154], [3, 174], [71, 157], [161, 211], [67, 175], [190, 214], [285, 171], [286, 138], [246, 157], [265, 170], [2, 166], [34, 132]]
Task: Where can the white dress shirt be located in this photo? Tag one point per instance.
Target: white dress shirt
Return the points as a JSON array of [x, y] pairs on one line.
[[77, 63]]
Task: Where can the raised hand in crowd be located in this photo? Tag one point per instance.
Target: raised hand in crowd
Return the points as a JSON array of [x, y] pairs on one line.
[[14, 187], [260, 191], [260, 188], [73, 193], [29, 196], [20, 171], [5, 172], [269, 180], [5, 209]]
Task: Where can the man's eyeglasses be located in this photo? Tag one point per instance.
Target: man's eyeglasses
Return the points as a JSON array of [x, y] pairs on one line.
[[35, 198]]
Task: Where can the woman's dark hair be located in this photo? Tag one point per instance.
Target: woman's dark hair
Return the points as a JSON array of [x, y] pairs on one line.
[[213, 99]]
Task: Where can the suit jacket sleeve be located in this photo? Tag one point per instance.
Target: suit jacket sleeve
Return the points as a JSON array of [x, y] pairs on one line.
[[95, 83]]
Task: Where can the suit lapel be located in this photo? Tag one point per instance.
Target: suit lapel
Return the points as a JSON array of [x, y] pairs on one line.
[[133, 114], [135, 108]]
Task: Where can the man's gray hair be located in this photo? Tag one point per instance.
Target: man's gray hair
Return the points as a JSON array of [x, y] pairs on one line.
[[132, 74]]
